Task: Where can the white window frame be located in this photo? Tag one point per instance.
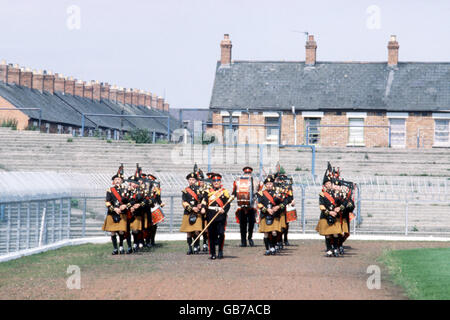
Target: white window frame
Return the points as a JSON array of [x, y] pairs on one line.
[[271, 137], [310, 116], [439, 143], [397, 115], [351, 143]]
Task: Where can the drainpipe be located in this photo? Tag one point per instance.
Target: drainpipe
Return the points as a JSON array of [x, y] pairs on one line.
[[295, 125]]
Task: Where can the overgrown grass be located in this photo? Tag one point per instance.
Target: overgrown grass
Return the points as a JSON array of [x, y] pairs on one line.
[[10, 123], [423, 273]]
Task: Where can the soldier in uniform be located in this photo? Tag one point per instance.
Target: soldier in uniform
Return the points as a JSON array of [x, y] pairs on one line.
[[270, 205], [194, 208], [329, 224], [116, 219], [285, 185], [135, 205], [219, 202], [246, 215]]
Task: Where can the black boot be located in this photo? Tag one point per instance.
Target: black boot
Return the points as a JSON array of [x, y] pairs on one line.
[[251, 243], [266, 244], [190, 251], [114, 242], [329, 247], [130, 249]]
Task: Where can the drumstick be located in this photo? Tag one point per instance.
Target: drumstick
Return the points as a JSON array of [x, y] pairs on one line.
[[229, 200]]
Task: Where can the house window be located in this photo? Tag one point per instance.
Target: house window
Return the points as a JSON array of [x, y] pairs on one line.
[[398, 132], [441, 132], [91, 132], [59, 128], [35, 124], [47, 127], [313, 130], [356, 131], [108, 134], [273, 131]]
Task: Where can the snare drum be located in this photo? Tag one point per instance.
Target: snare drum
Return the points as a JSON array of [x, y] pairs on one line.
[[157, 215], [244, 191], [291, 213]]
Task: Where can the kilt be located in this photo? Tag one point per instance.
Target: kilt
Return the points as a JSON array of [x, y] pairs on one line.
[[136, 224], [111, 226], [187, 227], [345, 228], [324, 229], [275, 226], [283, 220], [147, 220]]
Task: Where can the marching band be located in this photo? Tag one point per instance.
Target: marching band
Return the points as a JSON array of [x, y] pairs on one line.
[[134, 209]]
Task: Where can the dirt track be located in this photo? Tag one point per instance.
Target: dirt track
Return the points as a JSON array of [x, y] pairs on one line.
[[301, 271]]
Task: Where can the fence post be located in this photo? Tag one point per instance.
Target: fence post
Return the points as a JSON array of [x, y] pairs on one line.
[[60, 218], [209, 157], [28, 225], [406, 216], [19, 225], [53, 219], [303, 209], [171, 214], [38, 213], [69, 210], [358, 211], [8, 234], [83, 222], [261, 159]]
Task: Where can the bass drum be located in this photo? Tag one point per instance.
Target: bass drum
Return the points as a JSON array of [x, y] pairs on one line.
[[244, 191]]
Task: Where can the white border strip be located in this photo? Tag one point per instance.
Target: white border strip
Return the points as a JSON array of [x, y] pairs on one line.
[[228, 236]]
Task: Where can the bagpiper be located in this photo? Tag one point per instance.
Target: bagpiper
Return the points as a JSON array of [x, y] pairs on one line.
[[329, 224], [194, 208], [289, 213], [219, 202], [135, 206], [244, 190], [270, 206], [116, 219]]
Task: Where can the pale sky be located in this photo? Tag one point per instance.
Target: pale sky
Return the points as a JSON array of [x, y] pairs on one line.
[[170, 47]]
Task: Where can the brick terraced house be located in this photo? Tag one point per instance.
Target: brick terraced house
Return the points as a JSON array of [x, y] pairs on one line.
[[331, 104], [62, 102]]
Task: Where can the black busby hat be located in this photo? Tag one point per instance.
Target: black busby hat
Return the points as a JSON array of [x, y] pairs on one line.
[[269, 178], [192, 175], [200, 175], [119, 173], [247, 169]]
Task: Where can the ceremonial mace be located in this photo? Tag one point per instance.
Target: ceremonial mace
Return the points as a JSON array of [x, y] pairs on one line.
[[229, 200]]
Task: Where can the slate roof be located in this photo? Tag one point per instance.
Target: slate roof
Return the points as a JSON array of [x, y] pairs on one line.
[[67, 109], [365, 86]]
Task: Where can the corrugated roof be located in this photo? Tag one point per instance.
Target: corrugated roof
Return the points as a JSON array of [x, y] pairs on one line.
[[279, 85]]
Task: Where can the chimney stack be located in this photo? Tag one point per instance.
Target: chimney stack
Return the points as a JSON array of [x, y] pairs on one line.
[[154, 100], [38, 80], [96, 90], [49, 82], [121, 95], [225, 50], [60, 83], [393, 51], [69, 86], [79, 88], [148, 100], [105, 90], [3, 71], [89, 91], [26, 78], [135, 97], [13, 74], [141, 98], [128, 96], [311, 46], [166, 107], [113, 93], [160, 104]]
